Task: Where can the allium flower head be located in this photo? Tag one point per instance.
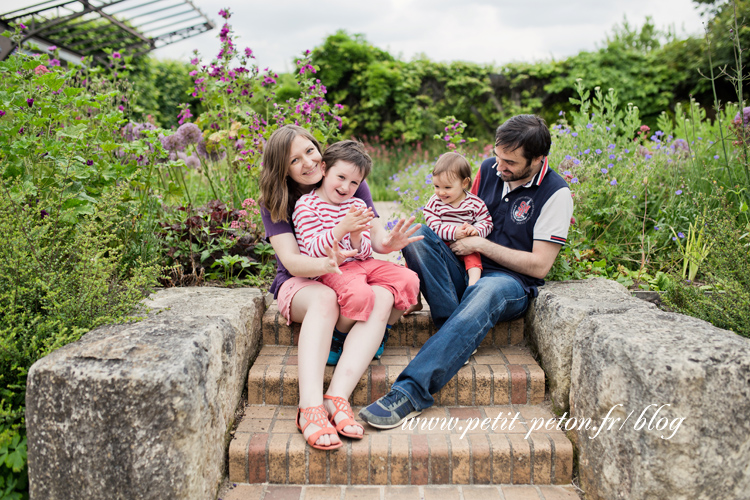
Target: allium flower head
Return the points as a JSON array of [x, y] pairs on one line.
[[173, 142], [189, 133], [743, 116]]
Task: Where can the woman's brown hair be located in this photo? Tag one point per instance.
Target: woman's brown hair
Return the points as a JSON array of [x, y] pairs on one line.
[[278, 192]]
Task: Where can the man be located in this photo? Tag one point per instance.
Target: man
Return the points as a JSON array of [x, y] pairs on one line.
[[531, 207]]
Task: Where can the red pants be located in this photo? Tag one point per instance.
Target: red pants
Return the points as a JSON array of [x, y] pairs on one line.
[[353, 287]]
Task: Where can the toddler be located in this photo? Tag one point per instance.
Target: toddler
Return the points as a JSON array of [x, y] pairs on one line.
[[453, 212], [331, 212]]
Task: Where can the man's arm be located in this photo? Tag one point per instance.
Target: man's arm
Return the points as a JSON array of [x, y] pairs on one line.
[[536, 263]]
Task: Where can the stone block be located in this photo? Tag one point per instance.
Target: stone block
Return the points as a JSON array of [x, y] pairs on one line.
[[662, 368], [554, 315], [142, 410]]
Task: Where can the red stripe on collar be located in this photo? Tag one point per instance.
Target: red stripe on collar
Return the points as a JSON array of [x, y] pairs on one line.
[[542, 172]]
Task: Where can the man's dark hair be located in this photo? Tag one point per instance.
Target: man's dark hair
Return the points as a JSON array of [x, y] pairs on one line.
[[529, 132], [351, 151]]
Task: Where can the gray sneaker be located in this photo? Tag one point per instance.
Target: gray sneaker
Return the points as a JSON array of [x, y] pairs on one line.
[[389, 411]]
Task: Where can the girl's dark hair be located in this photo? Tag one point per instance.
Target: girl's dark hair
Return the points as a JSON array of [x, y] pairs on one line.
[[350, 151], [278, 192], [454, 164]]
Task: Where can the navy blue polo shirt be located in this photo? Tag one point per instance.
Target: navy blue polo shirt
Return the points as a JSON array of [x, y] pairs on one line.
[[538, 210]]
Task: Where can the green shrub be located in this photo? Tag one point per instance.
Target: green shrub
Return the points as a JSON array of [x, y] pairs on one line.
[[723, 298], [57, 280]]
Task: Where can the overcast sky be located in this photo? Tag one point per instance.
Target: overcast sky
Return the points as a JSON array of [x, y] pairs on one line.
[[482, 31]]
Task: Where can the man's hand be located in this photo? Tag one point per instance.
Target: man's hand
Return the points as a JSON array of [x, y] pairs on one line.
[[335, 257], [465, 230], [401, 235], [467, 246]]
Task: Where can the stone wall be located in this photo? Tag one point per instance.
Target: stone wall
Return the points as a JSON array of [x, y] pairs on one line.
[[672, 392], [142, 410]]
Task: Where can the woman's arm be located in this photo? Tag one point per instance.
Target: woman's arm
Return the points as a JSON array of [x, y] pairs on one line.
[[287, 250]]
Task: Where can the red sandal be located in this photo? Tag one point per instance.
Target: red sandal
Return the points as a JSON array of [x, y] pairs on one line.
[[342, 404], [319, 416]]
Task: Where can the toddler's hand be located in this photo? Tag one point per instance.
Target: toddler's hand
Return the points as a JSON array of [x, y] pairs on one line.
[[465, 230]]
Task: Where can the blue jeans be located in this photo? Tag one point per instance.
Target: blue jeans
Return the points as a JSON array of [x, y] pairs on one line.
[[463, 315]]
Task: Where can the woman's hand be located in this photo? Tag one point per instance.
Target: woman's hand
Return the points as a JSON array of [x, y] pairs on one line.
[[335, 257], [401, 235]]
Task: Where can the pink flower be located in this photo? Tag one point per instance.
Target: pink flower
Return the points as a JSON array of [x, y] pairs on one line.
[[54, 62], [52, 47], [248, 52], [41, 69], [194, 61], [121, 107], [116, 55]]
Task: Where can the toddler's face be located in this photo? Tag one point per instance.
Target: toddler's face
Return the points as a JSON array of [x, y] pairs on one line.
[[449, 188], [340, 182]]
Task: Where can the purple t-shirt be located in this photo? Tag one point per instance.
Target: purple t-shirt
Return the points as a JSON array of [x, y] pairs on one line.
[[281, 227]]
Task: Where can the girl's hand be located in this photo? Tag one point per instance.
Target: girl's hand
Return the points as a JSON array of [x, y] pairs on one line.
[[356, 220], [401, 235], [465, 230], [335, 257]]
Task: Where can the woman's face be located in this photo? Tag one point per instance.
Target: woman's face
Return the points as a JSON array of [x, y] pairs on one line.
[[304, 162]]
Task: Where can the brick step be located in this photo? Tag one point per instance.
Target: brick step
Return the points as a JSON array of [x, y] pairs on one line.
[[409, 331], [268, 448], [494, 376], [240, 491]]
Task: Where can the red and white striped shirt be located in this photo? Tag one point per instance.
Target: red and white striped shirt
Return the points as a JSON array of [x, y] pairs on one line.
[[444, 219], [314, 220]]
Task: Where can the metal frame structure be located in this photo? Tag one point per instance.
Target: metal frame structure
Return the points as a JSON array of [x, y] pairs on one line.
[[145, 24]]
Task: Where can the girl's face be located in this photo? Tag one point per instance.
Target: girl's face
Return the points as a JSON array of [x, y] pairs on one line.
[[449, 188], [304, 162], [340, 183]]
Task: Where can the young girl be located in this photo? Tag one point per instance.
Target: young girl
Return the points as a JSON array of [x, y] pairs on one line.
[[453, 212], [291, 168], [328, 214]]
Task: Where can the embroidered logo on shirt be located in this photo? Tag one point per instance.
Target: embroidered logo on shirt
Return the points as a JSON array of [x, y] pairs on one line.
[[522, 209]]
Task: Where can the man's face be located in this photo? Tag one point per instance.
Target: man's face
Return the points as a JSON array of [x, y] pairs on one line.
[[513, 167]]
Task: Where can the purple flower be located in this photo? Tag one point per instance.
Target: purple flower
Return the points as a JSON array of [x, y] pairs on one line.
[[611, 157], [567, 172], [54, 62], [30, 101], [577, 161], [648, 157], [745, 114], [574, 180], [416, 198], [89, 162], [678, 192], [716, 157], [613, 182], [248, 52], [194, 61], [52, 48], [586, 151], [2, 113], [611, 146], [627, 151], [681, 235], [22, 26], [674, 239], [568, 157], [598, 151], [116, 55], [604, 170], [590, 126], [574, 134], [561, 113], [189, 133], [657, 228], [225, 13]]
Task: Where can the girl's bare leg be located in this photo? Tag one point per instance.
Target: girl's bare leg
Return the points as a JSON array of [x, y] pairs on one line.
[[314, 344], [363, 340]]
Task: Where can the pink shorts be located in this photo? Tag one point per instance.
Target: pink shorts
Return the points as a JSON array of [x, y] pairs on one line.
[[286, 293]]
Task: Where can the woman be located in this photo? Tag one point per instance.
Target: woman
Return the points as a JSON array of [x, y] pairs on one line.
[[291, 168]]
